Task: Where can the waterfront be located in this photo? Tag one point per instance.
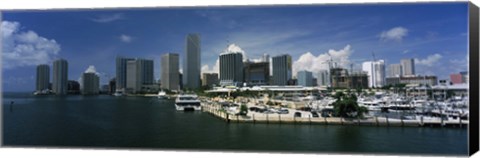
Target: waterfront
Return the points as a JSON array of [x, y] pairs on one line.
[[149, 123]]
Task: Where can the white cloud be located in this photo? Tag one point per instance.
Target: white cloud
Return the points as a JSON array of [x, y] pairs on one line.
[[429, 61], [91, 69], [394, 34], [215, 68], [108, 18], [405, 51], [125, 38], [233, 48], [25, 48], [310, 62]]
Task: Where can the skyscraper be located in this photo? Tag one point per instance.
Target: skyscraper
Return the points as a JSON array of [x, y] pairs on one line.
[[121, 73], [43, 77], [191, 70], [231, 68], [170, 71], [133, 79], [60, 76], [91, 83], [305, 78], [376, 72], [395, 70], [138, 74], [282, 69], [323, 78], [408, 67]]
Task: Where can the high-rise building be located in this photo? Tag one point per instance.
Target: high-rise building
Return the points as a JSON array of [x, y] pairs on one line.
[[91, 83], [132, 74], [282, 69], [395, 70], [256, 73], [43, 77], [408, 67], [147, 71], [376, 72], [60, 76], [231, 68], [323, 78], [191, 70], [170, 71], [209, 79], [133, 79], [121, 73], [305, 78]]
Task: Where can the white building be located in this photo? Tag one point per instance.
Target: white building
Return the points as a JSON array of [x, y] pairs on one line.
[[323, 78], [376, 72], [408, 67]]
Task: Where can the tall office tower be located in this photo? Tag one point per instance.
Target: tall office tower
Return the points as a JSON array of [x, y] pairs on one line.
[[146, 71], [231, 68], [323, 78], [191, 70], [376, 72], [60, 76], [305, 78], [256, 73], [209, 79], [133, 79], [170, 71], [43, 77], [395, 70], [408, 67], [282, 69], [91, 83], [121, 73]]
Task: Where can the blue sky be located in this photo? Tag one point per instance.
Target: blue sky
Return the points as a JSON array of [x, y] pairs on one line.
[[435, 34]]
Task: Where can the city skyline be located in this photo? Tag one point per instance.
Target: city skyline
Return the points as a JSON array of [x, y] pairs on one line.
[[304, 32]]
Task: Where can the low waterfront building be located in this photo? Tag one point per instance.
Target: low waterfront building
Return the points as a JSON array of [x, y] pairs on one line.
[[421, 80], [73, 87], [209, 79], [256, 73]]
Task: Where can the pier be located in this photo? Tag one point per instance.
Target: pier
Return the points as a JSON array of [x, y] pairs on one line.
[[255, 117]]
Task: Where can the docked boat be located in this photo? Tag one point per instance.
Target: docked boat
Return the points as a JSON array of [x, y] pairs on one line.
[[118, 93], [187, 102], [400, 105], [162, 95]]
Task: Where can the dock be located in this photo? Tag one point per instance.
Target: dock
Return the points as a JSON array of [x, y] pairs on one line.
[[254, 117]]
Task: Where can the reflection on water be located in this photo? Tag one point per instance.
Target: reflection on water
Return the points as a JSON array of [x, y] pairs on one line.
[[107, 121]]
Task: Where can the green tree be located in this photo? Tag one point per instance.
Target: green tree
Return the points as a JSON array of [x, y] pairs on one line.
[[346, 106], [243, 109]]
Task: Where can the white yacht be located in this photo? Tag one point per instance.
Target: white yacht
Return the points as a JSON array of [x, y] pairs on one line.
[[371, 105], [162, 95], [185, 102], [118, 93], [400, 104]]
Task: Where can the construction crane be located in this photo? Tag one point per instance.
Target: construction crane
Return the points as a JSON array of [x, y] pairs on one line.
[[373, 55]]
